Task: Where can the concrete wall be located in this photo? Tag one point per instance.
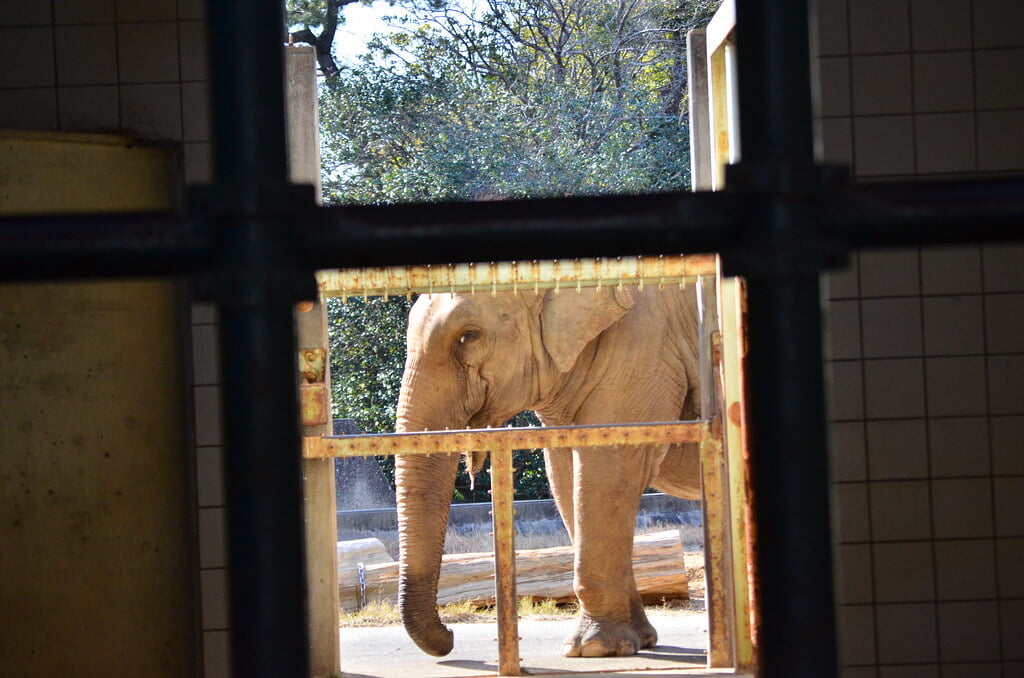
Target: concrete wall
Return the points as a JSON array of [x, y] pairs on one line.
[[97, 572]]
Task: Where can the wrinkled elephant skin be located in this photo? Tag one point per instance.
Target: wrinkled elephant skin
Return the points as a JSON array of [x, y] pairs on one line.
[[595, 356]]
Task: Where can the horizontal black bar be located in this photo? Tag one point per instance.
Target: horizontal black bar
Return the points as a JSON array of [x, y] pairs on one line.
[[546, 228], [928, 213], [116, 245]]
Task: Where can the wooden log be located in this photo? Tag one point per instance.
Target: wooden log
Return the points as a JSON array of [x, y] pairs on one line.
[[366, 551], [540, 573]]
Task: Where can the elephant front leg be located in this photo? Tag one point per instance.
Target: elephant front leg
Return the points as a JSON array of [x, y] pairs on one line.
[[606, 497]]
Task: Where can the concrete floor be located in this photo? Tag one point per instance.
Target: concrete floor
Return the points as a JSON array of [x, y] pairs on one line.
[[386, 652]]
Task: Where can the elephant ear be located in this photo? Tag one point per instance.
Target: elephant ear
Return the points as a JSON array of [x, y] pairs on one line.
[[570, 320]]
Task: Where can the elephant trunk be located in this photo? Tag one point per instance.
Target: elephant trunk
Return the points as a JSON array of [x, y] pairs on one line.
[[424, 491]]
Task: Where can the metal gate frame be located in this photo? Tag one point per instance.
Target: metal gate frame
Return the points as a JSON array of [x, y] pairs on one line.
[[256, 240]]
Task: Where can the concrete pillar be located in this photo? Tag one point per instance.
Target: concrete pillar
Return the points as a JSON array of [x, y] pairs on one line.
[[311, 327], [97, 543]]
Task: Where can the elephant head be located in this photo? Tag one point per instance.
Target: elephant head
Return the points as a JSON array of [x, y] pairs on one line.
[[476, 360]]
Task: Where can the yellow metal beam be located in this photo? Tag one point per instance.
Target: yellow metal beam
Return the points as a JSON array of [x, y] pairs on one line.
[[516, 275], [497, 439], [505, 563]]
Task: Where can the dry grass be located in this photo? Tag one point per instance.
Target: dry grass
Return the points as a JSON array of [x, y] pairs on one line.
[[385, 613]]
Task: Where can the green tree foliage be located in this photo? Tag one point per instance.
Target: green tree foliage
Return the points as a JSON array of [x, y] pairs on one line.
[[488, 99]]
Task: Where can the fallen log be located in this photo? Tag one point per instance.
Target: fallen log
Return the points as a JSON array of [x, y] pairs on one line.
[[540, 573]]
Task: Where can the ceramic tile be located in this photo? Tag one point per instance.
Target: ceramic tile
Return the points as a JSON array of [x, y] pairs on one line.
[[899, 510], [897, 449], [909, 671], [25, 14], [881, 84], [191, 9], [208, 421], [953, 325], [89, 109], [148, 52], [999, 78], [858, 672], [32, 50], [212, 537], [1004, 318], [865, 18], [958, 447], [973, 670], [1007, 445], [888, 273], [837, 147], [1003, 268], [151, 10], [86, 55], [844, 330], [940, 24], [1011, 614], [1000, 140], [906, 633], [962, 508], [969, 631], [835, 85], [1009, 556], [1009, 502], [854, 574], [943, 81], [28, 109], [853, 522], [956, 386], [843, 283], [848, 451], [904, 572], [884, 145], [951, 270], [965, 569], [891, 327], [997, 23], [856, 634], [205, 355], [195, 111], [193, 51], [833, 36], [210, 476], [894, 388], [204, 314], [197, 163], [945, 143], [1006, 384], [216, 654], [845, 390], [83, 11], [152, 111], [214, 587]]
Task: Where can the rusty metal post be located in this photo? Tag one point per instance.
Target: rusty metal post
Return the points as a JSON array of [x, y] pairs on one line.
[[505, 563]]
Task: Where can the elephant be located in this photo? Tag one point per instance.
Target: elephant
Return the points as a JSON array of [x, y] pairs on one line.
[[614, 354]]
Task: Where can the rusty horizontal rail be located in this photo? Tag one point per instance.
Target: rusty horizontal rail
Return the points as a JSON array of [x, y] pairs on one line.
[[465, 440], [515, 275]]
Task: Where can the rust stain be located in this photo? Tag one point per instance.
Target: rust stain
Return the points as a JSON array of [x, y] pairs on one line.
[[735, 413]]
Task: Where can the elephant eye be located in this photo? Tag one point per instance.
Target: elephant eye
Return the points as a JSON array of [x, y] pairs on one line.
[[468, 335]]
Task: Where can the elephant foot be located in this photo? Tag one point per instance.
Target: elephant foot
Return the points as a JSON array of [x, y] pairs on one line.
[[594, 638]]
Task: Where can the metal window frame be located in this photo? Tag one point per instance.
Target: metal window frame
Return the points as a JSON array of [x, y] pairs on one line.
[[256, 240]]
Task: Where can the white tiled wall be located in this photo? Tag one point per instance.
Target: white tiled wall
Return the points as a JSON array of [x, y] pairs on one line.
[[136, 68], [927, 356]]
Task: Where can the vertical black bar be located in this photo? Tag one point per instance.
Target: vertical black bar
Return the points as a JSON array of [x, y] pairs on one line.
[[773, 63], [788, 436], [790, 477], [269, 635]]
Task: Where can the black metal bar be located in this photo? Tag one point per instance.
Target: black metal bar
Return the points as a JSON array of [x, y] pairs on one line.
[[789, 451], [256, 287], [102, 245], [429, 233]]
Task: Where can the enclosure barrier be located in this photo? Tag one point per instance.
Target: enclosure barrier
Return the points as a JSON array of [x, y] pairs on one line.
[[567, 275], [496, 276]]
